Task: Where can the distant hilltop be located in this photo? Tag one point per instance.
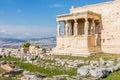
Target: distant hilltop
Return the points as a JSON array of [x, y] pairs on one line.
[[44, 42], [11, 40]]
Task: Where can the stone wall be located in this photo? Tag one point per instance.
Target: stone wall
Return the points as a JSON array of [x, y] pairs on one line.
[[72, 45], [110, 13], [72, 42]]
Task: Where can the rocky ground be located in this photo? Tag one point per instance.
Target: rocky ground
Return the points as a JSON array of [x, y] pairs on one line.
[[51, 67]]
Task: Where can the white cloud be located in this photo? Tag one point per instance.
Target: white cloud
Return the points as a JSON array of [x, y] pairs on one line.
[[22, 31], [57, 5], [2, 31], [27, 34], [19, 11], [5, 32]]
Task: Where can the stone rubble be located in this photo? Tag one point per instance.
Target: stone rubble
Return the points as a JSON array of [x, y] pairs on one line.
[[94, 69]]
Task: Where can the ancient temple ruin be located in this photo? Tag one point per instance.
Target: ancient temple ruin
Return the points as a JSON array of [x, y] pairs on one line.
[[89, 29]]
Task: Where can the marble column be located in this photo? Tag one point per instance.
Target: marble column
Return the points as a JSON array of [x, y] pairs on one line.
[[75, 27], [58, 28], [70, 29], [93, 27], [99, 27], [66, 28], [86, 27]]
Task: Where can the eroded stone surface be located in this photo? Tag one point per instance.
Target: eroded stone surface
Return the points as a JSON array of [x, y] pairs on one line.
[[97, 32]]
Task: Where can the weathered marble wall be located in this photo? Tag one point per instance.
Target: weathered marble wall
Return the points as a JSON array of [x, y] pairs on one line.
[[110, 13]]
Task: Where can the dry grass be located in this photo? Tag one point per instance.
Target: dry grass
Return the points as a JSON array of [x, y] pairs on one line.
[[105, 56]]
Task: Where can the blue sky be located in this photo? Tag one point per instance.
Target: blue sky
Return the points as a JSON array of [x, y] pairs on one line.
[[34, 18]]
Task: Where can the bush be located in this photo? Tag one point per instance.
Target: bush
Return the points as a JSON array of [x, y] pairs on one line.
[[37, 46], [26, 45]]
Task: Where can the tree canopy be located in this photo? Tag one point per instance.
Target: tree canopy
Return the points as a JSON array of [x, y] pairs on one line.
[[26, 45], [37, 46]]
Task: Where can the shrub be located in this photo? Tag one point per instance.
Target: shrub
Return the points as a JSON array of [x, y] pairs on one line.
[[37, 46], [26, 45]]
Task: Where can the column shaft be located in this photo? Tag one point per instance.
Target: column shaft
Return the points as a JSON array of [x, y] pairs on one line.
[[86, 27], [66, 28], [58, 29], [75, 28], [93, 26], [70, 29]]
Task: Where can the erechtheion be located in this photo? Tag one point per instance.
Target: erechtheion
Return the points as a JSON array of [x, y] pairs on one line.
[[89, 29]]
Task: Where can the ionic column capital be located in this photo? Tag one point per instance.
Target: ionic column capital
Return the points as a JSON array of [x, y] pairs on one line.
[[66, 21], [58, 22], [93, 20], [75, 20], [86, 20]]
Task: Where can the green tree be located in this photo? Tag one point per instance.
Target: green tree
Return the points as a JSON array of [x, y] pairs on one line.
[[37, 46], [26, 45]]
